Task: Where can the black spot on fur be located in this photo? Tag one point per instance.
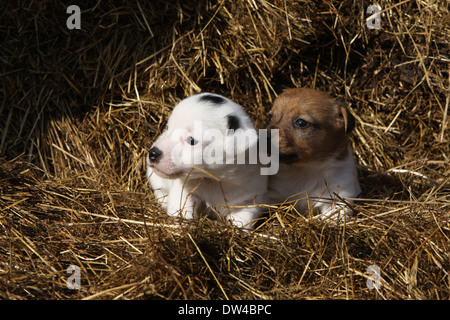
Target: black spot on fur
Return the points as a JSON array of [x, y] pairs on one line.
[[218, 100], [233, 122]]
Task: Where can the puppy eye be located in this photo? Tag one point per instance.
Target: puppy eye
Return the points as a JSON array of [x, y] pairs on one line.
[[191, 141], [301, 123]]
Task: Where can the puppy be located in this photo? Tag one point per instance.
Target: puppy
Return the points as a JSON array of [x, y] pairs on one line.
[[196, 163], [317, 168]]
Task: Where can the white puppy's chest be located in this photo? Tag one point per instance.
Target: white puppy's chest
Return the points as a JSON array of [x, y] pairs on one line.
[[236, 189]]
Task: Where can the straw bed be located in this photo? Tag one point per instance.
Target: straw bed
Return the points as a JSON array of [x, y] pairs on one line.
[[80, 108]]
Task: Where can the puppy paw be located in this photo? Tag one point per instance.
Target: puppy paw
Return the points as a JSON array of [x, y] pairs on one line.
[[185, 214], [338, 213], [244, 219]]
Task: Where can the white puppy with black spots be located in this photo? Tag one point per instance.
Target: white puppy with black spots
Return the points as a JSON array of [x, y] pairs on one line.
[[197, 164]]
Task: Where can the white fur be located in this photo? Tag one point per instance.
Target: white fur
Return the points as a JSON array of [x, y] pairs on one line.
[[185, 191], [318, 185]]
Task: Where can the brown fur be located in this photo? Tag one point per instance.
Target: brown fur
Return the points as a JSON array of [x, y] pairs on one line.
[[323, 138]]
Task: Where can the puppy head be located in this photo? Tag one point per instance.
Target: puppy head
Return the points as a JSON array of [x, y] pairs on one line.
[[312, 125], [200, 132]]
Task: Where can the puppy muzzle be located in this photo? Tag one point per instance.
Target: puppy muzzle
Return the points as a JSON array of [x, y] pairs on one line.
[[154, 155]]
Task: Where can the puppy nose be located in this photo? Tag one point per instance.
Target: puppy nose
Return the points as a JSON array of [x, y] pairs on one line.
[[154, 154]]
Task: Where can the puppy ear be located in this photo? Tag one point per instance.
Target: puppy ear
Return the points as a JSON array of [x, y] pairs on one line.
[[233, 122], [239, 141], [349, 120]]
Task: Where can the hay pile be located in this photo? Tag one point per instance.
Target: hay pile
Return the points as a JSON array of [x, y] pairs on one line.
[[79, 109]]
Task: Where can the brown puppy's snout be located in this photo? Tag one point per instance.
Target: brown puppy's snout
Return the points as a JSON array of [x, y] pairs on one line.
[[154, 154]]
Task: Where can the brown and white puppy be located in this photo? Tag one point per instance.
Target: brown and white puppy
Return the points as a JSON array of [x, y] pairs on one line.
[[317, 168]]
